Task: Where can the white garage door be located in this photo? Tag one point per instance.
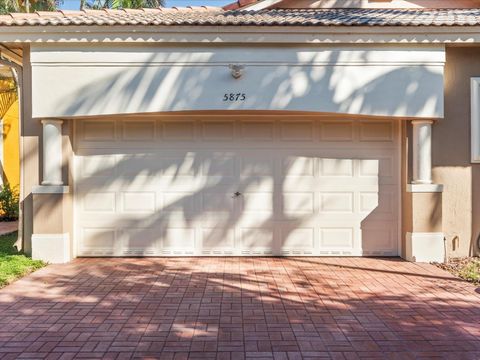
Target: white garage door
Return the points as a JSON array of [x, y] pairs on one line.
[[249, 186]]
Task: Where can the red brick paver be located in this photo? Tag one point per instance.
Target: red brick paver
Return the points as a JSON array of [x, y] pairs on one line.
[[237, 308]]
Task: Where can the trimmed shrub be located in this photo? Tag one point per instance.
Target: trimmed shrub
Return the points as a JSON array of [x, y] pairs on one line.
[[8, 203]]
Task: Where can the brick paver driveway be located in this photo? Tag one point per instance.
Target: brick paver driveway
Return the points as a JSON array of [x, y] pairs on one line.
[[233, 308]]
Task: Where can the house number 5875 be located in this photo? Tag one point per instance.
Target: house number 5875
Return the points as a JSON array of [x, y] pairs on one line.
[[234, 97]]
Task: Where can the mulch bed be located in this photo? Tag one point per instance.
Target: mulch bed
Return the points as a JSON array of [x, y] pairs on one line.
[[466, 268]]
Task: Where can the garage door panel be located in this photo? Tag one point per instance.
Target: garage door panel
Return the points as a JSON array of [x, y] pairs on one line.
[[253, 166], [217, 208], [333, 202], [306, 187], [99, 202], [178, 238], [337, 131], [298, 204], [337, 238], [379, 238], [301, 238], [256, 203], [132, 166], [98, 130], [220, 165], [297, 131], [138, 202], [378, 206], [136, 241], [217, 240], [257, 239], [98, 241], [179, 205], [180, 166], [138, 130], [379, 131], [218, 130], [294, 167], [338, 167], [98, 166], [258, 131], [297, 184], [177, 131], [380, 168]]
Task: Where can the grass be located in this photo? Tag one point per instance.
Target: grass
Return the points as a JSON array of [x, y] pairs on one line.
[[13, 263], [465, 268]]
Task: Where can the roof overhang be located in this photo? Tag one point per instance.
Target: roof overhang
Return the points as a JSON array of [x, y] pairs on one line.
[[242, 34], [9, 55]]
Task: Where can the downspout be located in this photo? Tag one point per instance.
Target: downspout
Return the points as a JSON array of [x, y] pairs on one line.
[[17, 72]]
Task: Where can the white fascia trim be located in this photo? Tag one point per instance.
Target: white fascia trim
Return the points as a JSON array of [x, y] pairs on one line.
[[242, 34], [424, 188], [475, 119], [261, 5], [50, 189]]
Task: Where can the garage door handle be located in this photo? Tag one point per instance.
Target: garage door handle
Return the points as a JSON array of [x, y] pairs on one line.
[[236, 194]]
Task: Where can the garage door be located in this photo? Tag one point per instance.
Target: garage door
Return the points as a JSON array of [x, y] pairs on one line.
[[248, 186]]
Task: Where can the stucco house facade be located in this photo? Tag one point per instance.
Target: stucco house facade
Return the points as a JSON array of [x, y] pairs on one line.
[[267, 128]]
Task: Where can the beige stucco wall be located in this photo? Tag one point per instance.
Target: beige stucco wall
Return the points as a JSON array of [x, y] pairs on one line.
[[42, 213], [30, 132], [460, 219], [426, 212], [48, 213], [451, 155]]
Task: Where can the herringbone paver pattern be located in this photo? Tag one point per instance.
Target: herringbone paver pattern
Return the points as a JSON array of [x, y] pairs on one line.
[[237, 308]]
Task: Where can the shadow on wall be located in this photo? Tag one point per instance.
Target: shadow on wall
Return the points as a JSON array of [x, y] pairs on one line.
[[324, 307], [405, 91], [332, 89], [150, 200]]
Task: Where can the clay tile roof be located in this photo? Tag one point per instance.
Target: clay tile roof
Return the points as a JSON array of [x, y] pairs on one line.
[[202, 15]]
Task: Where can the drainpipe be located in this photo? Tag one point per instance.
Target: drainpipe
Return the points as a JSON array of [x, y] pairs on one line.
[[17, 72]]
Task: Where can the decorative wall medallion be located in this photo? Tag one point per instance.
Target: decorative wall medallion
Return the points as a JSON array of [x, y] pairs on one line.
[[236, 70]]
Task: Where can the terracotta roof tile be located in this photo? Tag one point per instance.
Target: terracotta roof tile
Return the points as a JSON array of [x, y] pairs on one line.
[[200, 16]]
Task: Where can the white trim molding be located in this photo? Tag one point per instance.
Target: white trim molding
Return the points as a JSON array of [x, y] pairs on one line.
[[50, 189], [52, 152], [475, 119], [425, 247], [51, 248], [242, 34], [422, 151], [424, 188]]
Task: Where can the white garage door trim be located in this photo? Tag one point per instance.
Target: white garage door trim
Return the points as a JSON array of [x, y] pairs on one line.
[[119, 128]]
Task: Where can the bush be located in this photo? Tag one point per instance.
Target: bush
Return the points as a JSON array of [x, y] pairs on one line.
[[8, 203]]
